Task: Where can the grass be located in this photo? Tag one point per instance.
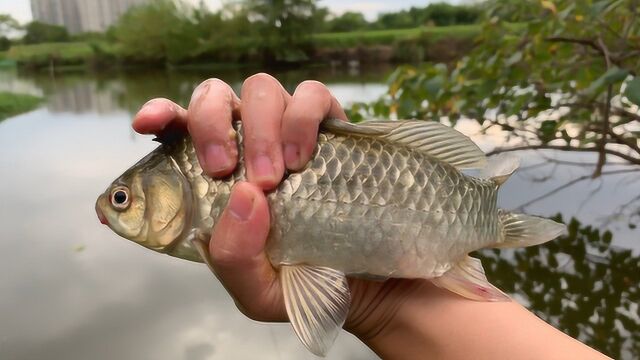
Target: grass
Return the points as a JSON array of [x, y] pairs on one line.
[[42, 54], [12, 104], [387, 37]]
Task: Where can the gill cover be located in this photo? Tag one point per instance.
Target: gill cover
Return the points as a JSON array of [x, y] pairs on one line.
[[168, 204]]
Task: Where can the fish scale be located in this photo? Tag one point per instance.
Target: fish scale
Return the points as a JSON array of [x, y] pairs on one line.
[[363, 206]]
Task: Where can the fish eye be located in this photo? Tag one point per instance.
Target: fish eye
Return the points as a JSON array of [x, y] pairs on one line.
[[120, 198]]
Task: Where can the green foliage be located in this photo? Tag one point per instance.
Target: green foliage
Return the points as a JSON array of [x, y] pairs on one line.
[[43, 54], [348, 21], [159, 31], [284, 27], [8, 25], [5, 43], [439, 14], [559, 78], [37, 32], [386, 37], [13, 104]]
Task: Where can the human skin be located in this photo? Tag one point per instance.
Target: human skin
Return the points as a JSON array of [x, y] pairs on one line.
[[398, 318]]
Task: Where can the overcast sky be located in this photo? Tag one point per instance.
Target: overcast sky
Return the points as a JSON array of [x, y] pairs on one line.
[[21, 9]]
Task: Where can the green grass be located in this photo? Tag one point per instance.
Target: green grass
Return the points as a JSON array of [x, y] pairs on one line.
[[42, 54], [12, 104], [387, 37]]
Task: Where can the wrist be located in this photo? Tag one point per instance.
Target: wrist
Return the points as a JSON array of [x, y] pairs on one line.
[[390, 317]]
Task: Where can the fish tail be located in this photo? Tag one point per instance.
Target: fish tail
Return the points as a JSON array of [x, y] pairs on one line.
[[525, 230]]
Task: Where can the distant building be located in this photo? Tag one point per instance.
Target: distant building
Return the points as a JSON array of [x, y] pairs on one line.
[[81, 15]]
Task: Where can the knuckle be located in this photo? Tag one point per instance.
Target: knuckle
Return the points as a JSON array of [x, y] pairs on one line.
[[258, 80], [218, 85], [313, 86]]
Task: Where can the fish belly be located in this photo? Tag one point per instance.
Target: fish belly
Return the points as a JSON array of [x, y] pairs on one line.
[[366, 208]]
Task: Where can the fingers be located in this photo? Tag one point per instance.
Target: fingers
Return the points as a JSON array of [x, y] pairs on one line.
[[311, 103], [156, 114], [238, 256], [210, 113], [263, 102]]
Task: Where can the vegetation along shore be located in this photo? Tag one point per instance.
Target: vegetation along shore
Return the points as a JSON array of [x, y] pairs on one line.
[[171, 33]]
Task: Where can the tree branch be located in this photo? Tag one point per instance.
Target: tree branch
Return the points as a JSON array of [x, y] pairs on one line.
[[584, 42], [623, 156], [604, 132], [573, 182]]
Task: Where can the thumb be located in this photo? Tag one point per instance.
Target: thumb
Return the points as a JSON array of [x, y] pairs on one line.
[[237, 252]]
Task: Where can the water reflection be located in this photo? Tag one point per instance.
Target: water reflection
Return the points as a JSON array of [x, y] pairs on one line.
[[116, 300], [110, 93], [580, 284]]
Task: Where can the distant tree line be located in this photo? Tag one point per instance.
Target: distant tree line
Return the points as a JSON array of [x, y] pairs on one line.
[[279, 30]]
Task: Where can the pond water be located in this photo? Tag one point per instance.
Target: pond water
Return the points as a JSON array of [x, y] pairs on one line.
[[72, 289]]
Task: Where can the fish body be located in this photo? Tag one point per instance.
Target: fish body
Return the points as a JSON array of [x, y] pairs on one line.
[[377, 200]]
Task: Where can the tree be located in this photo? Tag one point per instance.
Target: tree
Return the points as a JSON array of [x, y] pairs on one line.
[[285, 27], [565, 80], [159, 31], [349, 21], [5, 43], [37, 32], [8, 25]]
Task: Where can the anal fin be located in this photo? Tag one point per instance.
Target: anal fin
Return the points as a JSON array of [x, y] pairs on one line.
[[467, 279], [317, 301]]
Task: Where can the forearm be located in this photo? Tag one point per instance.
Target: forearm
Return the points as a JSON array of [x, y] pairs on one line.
[[436, 324]]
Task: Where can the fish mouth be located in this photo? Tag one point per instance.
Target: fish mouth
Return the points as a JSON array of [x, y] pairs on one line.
[[101, 217]]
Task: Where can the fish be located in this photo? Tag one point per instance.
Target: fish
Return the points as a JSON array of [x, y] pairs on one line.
[[378, 200]]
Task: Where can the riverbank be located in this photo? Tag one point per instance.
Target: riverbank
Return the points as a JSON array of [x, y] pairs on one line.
[[12, 104], [375, 46]]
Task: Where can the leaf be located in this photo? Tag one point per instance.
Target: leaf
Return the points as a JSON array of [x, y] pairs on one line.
[[548, 130], [632, 92], [549, 6], [612, 76], [514, 59]]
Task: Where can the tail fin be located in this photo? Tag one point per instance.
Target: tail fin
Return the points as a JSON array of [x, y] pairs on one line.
[[500, 167], [524, 230]]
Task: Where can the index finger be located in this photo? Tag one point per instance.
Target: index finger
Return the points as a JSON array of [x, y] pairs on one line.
[[157, 114]]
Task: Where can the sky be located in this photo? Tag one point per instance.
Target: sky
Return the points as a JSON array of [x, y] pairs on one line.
[[21, 9]]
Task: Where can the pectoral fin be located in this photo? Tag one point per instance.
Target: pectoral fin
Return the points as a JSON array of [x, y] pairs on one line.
[[317, 301], [467, 279]]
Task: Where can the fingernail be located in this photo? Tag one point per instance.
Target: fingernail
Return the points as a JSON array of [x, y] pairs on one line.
[[263, 168], [216, 158], [241, 204], [292, 155], [148, 103], [199, 92]]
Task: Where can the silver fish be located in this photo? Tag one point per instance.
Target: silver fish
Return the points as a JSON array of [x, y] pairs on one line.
[[379, 199]]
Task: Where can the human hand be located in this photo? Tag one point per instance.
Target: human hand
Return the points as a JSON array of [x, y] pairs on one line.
[[280, 132], [397, 318]]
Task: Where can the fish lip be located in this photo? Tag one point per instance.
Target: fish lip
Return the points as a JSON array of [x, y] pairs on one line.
[[101, 217]]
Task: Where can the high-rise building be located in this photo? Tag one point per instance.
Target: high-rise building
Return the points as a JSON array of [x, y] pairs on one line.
[[81, 15]]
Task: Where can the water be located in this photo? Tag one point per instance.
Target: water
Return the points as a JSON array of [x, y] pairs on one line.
[[71, 289]]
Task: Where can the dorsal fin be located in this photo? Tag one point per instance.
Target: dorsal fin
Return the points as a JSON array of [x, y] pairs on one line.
[[437, 140], [171, 134], [500, 167]]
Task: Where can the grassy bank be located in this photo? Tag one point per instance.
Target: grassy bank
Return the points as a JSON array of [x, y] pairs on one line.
[[388, 37], [12, 104], [72, 53]]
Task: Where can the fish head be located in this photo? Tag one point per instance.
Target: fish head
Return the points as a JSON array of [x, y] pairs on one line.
[[149, 204]]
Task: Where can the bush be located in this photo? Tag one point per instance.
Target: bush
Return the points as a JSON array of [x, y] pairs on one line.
[[43, 54], [13, 104]]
